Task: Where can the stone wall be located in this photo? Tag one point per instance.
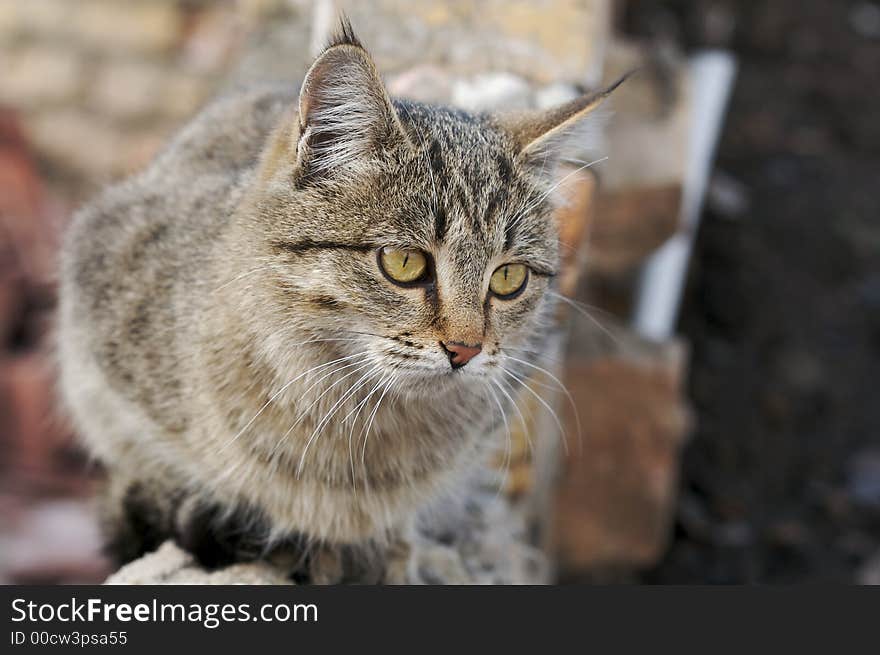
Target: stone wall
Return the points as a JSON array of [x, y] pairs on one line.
[[100, 84]]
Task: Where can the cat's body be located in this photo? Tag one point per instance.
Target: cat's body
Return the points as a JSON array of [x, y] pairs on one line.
[[231, 350]]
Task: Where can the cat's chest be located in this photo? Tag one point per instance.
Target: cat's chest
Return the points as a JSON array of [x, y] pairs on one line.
[[380, 436]]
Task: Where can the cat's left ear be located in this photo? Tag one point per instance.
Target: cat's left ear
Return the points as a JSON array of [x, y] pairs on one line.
[[345, 114], [549, 134]]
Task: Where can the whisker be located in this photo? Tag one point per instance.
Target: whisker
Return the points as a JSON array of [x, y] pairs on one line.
[[593, 309], [370, 425], [266, 267], [351, 431], [282, 390], [360, 367], [508, 448], [544, 403], [369, 334], [323, 422], [556, 186], [587, 315], [536, 353], [564, 390], [522, 418], [357, 411]]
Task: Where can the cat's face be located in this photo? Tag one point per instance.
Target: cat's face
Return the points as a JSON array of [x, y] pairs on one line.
[[417, 239], [434, 261]]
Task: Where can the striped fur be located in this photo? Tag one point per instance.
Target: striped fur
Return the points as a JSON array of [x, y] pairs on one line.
[[232, 353]]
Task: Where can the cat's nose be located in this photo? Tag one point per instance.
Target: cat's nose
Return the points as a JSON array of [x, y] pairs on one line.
[[460, 353]]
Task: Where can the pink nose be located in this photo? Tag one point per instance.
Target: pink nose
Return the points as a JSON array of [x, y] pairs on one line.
[[460, 353]]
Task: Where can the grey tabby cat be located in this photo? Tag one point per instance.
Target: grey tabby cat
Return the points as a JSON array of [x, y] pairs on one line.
[[304, 320]]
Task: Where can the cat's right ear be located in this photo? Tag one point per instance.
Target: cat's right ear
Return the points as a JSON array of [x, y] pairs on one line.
[[346, 118], [548, 134]]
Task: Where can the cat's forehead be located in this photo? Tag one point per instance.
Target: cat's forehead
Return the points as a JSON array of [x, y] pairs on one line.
[[466, 169], [464, 138]]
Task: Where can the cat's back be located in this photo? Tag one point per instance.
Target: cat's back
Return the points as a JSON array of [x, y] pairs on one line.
[[197, 173], [133, 258], [169, 213]]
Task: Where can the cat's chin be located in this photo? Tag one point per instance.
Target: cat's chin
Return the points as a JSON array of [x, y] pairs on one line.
[[430, 382]]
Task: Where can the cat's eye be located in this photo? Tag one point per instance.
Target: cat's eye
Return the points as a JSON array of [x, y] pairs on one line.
[[508, 280], [404, 266]]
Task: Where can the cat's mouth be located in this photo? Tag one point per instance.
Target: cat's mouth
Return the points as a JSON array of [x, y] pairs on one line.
[[437, 376]]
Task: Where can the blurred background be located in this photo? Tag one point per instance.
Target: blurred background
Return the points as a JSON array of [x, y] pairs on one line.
[[731, 415]]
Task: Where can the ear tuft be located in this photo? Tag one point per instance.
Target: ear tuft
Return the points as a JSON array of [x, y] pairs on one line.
[[548, 133], [344, 35], [346, 118]]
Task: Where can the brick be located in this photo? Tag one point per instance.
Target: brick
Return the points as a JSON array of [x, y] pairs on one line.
[[36, 75], [17, 171], [544, 40], [77, 140], [27, 227], [11, 302], [27, 387], [618, 491], [575, 216], [629, 225], [128, 26], [128, 90], [35, 17]]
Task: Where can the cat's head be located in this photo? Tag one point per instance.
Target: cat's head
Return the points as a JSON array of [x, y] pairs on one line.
[[420, 236]]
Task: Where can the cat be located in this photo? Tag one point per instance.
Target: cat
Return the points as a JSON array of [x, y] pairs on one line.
[[306, 318]]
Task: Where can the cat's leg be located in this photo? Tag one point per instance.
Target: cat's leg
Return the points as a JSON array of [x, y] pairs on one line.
[[135, 515], [218, 535], [139, 514]]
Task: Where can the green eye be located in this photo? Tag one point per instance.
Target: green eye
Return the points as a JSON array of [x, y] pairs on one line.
[[509, 279], [404, 266]]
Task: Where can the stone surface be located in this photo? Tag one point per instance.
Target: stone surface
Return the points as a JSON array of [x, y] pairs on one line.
[[425, 83], [171, 565], [62, 136], [129, 89], [39, 75], [19, 18], [544, 40], [276, 44], [492, 92], [482, 541], [212, 36], [135, 26]]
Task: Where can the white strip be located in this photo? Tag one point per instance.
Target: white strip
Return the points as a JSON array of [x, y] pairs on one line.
[[663, 276]]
